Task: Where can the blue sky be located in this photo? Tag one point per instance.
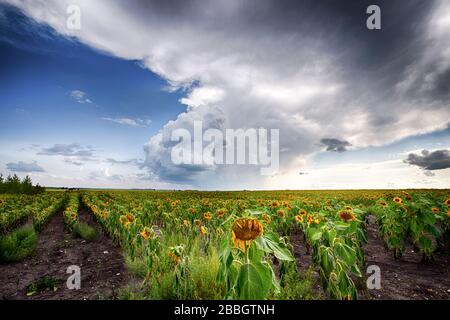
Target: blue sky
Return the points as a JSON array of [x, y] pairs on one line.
[[91, 107]]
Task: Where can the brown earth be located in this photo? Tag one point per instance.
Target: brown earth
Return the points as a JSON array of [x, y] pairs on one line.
[[407, 277], [100, 260], [401, 279]]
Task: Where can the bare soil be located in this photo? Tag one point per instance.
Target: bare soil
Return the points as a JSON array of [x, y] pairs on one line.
[[401, 279], [407, 277], [101, 262]]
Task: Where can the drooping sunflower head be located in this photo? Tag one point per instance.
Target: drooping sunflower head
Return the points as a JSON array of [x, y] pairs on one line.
[[435, 209], [347, 216], [245, 229]]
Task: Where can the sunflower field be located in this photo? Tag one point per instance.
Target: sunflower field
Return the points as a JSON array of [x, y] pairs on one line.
[[239, 245]]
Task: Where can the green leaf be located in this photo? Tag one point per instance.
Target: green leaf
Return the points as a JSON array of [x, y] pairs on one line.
[[346, 253], [250, 282], [280, 252]]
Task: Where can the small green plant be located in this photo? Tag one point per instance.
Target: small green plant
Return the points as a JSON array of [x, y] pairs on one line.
[[83, 230], [43, 284], [18, 245]]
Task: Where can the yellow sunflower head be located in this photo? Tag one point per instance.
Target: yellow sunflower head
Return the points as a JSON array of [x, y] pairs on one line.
[[221, 212], [299, 218], [146, 233], [435, 209], [398, 200], [207, 216]]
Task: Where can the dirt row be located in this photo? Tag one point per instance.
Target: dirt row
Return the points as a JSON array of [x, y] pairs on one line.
[[101, 265], [103, 270], [401, 279]]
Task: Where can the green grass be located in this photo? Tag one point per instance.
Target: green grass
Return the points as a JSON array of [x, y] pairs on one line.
[[43, 284], [18, 245], [83, 230]]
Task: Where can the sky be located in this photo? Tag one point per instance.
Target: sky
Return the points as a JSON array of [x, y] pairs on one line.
[[96, 106]]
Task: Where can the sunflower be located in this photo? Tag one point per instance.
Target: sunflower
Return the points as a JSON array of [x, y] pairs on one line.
[[448, 213], [309, 218], [203, 230], [130, 218], [299, 218], [244, 230], [266, 218], [174, 257], [207, 216], [274, 204], [191, 210], [435, 209], [383, 203], [347, 216], [398, 200], [447, 201], [302, 212], [221, 212], [146, 233], [219, 232], [124, 221], [316, 221], [186, 223], [348, 208], [197, 222], [280, 213]]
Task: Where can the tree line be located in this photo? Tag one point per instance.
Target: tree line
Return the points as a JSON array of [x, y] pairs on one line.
[[13, 184]]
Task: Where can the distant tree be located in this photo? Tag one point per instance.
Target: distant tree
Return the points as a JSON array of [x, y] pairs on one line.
[[13, 184]]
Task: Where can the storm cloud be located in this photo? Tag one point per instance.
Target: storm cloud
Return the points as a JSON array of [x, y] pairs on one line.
[[436, 160], [335, 145], [308, 68]]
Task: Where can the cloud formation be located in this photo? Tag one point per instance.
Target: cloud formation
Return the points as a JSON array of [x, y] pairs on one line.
[[335, 145], [136, 122], [435, 160], [24, 167], [308, 68], [80, 96], [68, 150]]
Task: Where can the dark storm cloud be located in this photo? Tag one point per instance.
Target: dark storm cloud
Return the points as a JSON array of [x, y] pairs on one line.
[[335, 145], [24, 167], [436, 160], [68, 150]]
